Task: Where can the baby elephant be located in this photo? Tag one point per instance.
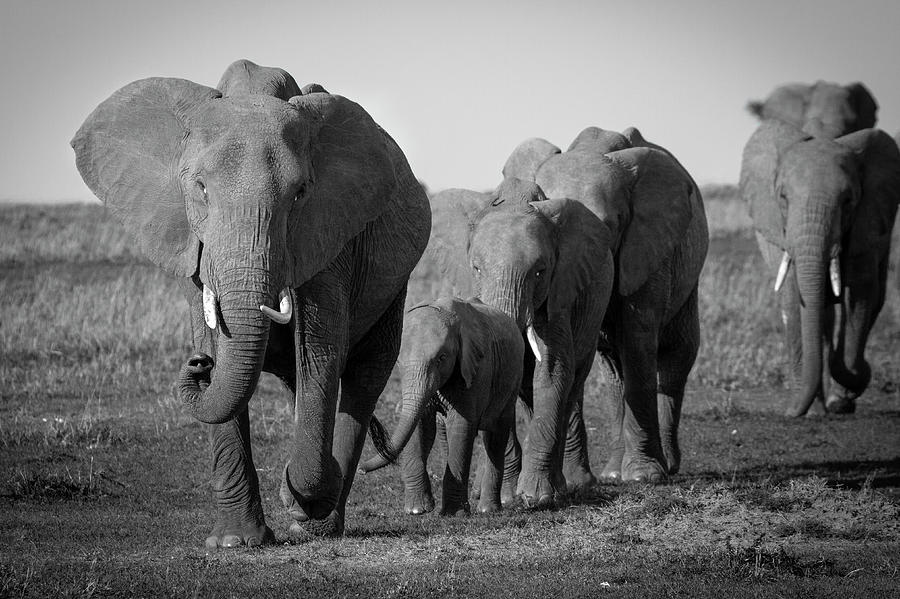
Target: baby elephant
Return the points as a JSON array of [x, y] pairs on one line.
[[464, 359]]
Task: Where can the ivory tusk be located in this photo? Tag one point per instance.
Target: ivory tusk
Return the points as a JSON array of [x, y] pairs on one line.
[[285, 308], [782, 271], [209, 308], [533, 342], [834, 270]]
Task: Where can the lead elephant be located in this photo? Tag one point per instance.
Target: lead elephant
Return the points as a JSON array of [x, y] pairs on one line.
[[823, 108], [823, 211], [650, 334], [292, 222]]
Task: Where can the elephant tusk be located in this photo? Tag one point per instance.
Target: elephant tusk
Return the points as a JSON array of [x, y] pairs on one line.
[[285, 308], [782, 271], [533, 342], [209, 308], [834, 270]]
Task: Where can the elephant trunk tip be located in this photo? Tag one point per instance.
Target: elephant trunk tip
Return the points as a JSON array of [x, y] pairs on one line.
[[382, 443]]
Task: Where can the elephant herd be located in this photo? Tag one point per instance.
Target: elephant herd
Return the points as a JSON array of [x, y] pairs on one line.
[[292, 222]]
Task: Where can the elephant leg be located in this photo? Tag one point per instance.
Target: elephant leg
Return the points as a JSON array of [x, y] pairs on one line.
[[576, 467], [639, 336], [418, 498], [461, 434], [495, 444], [512, 465], [240, 519], [368, 369], [679, 344], [613, 398], [312, 480], [863, 300]]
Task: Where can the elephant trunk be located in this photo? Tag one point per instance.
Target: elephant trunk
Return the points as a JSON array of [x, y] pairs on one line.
[[240, 350], [418, 391], [510, 296], [811, 281]]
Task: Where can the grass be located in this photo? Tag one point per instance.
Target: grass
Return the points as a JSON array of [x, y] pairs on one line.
[[103, 477]]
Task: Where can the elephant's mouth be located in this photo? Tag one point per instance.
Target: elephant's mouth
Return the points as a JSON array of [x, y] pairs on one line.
[[283, 315]]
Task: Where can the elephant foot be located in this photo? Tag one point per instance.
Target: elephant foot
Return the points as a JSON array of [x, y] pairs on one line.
[[489, 507], [330, 527], [641, 469], [579, 478], [508, 494], [417, 504], [841, 401], [228, 535], [309, 505], [612, 471], [672, 457], [455, 509], [536, 490]]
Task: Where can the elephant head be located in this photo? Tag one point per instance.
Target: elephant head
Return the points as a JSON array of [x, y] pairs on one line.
[[441, 339], [823, 109], [829, 206], [249, 190], [531, 255]]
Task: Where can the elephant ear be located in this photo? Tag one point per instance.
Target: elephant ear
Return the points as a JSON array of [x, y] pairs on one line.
[[584, 249], [661, 205], [757, 182], [473, 340], [356, 175], [528, 156], [864, 105], [129, 150], [445, 262], [879, 158], [786, 103], [600, 140], [243, 77]]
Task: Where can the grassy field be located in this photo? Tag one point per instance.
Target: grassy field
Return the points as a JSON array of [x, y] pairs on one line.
[[103, 477]]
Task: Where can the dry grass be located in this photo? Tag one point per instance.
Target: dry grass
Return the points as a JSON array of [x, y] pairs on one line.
[[103, 487]]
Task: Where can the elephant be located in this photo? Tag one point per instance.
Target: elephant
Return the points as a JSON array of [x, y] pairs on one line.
[[463, 359], [291, 221], [823, 108], [547, 264], [823, 211], [650, 333]]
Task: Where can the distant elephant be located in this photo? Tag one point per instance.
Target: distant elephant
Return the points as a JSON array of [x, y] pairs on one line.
[[823, 109], [651, 332], [292, 222], [823, 211], [463, 359], [546, 264]]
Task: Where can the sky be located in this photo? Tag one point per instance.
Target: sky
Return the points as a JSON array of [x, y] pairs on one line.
[[457, 84]]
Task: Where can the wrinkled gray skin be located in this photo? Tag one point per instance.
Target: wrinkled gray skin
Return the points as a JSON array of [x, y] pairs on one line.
[[246, 190], [462, 359], [822, 109], [816, 199], [546, 264], [650, 334]]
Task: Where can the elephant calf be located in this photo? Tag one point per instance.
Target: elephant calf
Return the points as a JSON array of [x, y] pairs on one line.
[[464, 359]]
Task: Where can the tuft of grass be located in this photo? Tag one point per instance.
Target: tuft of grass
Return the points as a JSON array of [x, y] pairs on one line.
[[45, 486]]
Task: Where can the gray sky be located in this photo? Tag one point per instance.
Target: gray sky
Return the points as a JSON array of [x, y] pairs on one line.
[[457, 84]]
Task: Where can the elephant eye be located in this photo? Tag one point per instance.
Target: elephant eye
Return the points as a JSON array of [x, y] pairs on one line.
[[300, 193], [442, 357], [539, 274], [203, 189]]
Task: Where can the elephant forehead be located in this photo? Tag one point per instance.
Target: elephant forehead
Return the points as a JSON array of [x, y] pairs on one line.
[[504, 239], [427, 323], [252, 118], [819, 161]]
